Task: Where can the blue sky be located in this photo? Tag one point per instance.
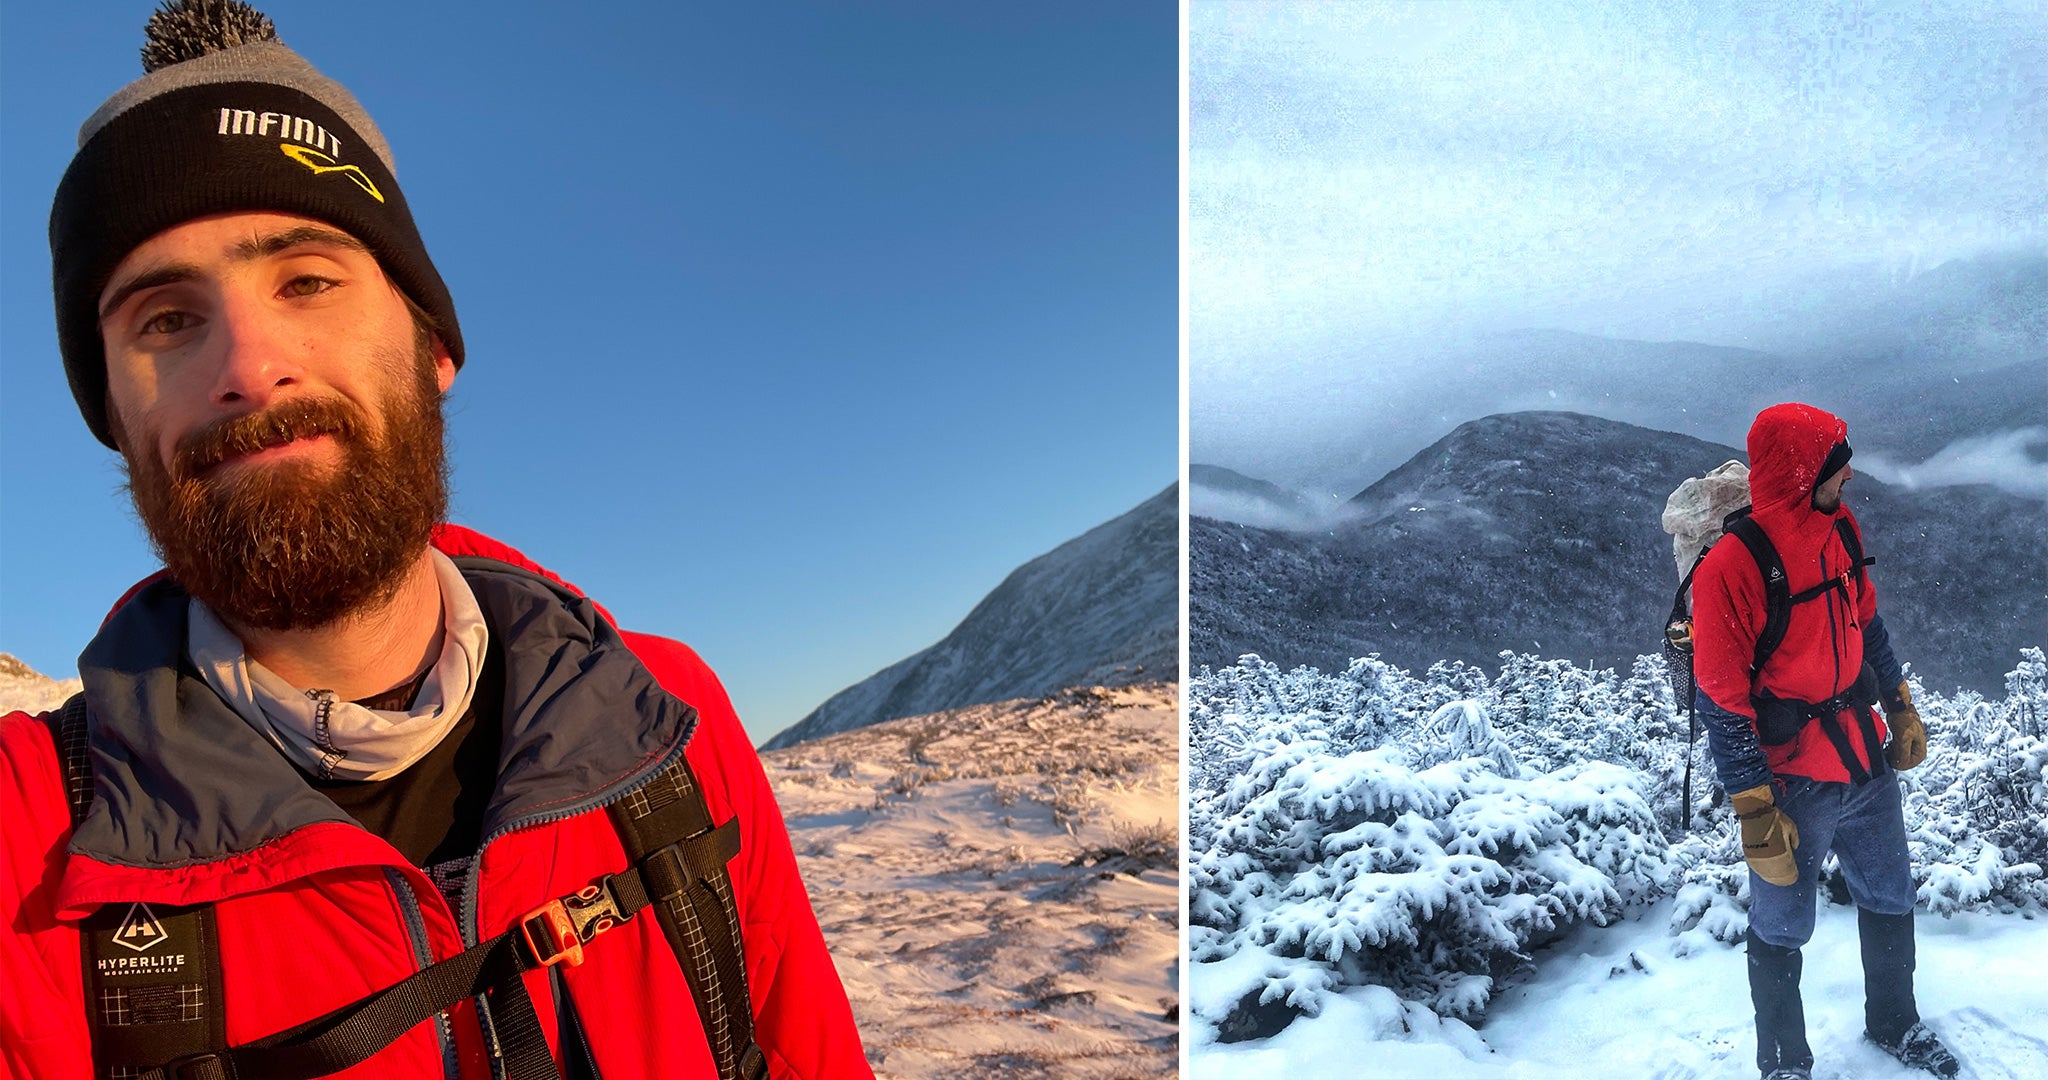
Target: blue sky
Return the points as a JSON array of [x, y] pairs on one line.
[[791, 328]]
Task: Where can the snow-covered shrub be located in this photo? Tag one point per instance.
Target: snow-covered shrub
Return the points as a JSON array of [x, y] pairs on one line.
[[1977, 808], [1432, 867], [1255, 700], [1713, 884], [1427, 835]]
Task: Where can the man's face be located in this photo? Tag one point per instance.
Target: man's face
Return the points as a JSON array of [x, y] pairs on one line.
[[1827, 498], [278, 412]]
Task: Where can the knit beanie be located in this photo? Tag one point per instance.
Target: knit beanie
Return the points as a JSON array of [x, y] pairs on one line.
[[1836, 461], [225, 119]]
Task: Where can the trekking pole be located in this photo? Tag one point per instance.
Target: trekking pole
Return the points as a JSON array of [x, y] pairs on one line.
[[1692, 731]]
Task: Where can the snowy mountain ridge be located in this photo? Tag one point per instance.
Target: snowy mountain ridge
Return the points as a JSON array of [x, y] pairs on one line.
[[1539, 532], [1099, 610], [1914, 367]]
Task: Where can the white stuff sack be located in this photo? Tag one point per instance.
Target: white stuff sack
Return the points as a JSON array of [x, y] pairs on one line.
[[1694, 512]]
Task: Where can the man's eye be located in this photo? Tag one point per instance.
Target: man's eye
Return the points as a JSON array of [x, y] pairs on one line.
[[169, 322], [307, 286]]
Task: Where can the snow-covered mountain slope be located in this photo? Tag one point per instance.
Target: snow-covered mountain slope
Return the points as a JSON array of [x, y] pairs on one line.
[[1098, 610], [1539, 532], [998, 883], [23, 688]]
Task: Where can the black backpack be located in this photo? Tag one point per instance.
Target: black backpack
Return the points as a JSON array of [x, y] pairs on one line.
[[163, 1025], [1778, 603]]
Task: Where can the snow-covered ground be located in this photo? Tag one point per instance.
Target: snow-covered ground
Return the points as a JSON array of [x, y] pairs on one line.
[[997, 883], [1617, 1001], [1474, 875]]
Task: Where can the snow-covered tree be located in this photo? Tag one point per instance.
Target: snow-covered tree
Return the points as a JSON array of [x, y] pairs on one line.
[[1433, 865], [1430, 835]]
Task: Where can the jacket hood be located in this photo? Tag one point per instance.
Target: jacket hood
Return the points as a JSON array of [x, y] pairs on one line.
[[179, 779], [1787, 445]]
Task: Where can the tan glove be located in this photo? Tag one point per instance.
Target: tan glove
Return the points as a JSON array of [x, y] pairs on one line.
[[1909, 736], [1768, 837]]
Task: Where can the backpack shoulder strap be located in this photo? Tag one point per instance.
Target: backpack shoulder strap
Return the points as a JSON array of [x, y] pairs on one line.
[[153, 984], [152, 972], [1853, 544], [665, 823], [1777, 594], [1681, 601], [77, 761]]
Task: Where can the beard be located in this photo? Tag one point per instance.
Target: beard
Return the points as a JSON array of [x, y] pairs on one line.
[[1828, 504], [295, 545]]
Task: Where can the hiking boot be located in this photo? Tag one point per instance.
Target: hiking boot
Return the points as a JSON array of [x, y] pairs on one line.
[[1918, 1048], [1789, 1072]]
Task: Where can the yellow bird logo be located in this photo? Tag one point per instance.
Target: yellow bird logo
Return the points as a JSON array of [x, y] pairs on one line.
[[321, 164]]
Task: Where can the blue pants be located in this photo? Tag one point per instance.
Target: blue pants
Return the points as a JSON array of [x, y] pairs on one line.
[[1865, 826]]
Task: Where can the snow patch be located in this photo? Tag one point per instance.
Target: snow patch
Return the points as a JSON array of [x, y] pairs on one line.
[[997, 884]]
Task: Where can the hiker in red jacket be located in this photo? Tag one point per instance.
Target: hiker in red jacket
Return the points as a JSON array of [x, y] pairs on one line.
[[1789, 704], [350, 791]]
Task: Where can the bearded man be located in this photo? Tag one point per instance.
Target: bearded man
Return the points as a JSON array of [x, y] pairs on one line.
[[347, 785]]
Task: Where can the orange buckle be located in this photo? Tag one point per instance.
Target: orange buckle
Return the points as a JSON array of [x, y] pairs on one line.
[[551, 936], [568, 923]]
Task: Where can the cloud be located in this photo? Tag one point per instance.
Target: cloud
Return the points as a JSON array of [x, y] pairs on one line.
[[1242, 508], [1361, 172], [2009, 460]]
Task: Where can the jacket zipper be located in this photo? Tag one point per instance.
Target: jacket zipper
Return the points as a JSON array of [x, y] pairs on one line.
[[423, 957], [467, 918], [533, 821], [565, 1006]]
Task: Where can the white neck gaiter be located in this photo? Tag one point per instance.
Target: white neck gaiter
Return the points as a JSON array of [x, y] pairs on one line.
[[336, 739]]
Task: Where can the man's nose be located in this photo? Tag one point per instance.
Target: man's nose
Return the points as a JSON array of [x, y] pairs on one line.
[[259, 357]]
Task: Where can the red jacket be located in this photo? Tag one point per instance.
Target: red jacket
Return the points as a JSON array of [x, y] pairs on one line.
[[314, 912], [1822, 651]]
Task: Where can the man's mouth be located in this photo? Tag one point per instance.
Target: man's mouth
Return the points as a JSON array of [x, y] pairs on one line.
[[275, 447], [274, 438]]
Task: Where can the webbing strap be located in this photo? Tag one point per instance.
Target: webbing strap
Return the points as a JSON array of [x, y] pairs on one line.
[[1871, 745], [1831, 726], [351, 1034], [679, 868], [691, 890]]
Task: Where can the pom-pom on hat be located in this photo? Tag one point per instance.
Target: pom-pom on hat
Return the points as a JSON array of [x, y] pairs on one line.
[[226, 118]]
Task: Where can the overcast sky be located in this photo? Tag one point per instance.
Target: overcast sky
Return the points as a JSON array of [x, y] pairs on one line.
[[1369, 179]]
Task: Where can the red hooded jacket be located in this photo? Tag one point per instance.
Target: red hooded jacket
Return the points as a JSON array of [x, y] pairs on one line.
[[1823, 647], [314, 912]]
